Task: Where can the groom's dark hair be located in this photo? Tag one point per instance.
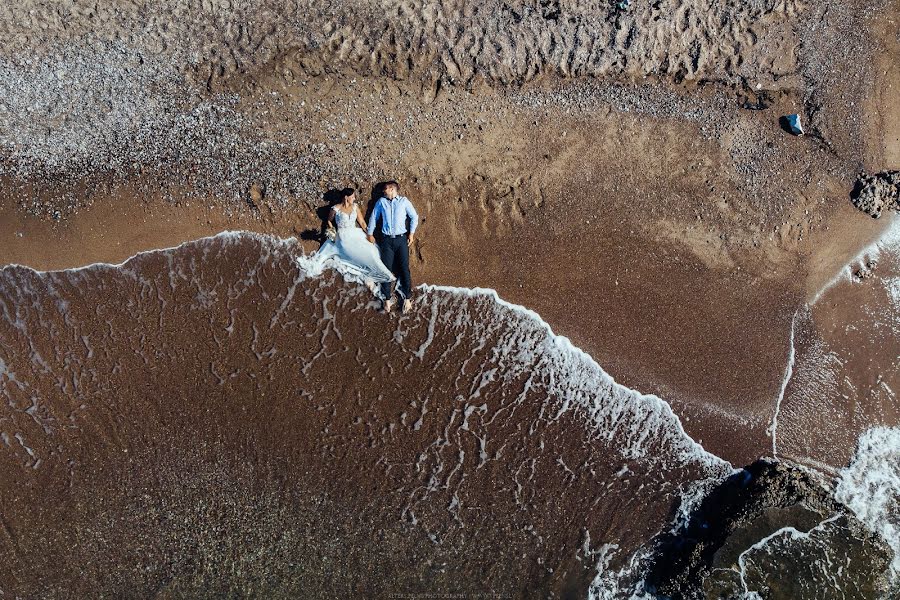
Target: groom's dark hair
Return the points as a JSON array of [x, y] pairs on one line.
[[390, 183]]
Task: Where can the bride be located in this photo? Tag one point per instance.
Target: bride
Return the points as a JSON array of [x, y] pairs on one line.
[[347, 244]]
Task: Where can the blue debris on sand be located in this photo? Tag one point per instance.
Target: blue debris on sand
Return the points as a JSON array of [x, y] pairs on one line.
[[623, 4], [793, 124]]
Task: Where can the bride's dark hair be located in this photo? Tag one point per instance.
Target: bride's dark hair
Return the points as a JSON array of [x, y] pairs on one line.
[[347, 192]]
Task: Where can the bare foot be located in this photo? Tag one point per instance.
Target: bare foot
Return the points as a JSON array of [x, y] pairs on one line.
[[387, 306], [407, 306]]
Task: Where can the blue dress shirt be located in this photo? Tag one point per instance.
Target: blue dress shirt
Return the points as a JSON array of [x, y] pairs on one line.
[[393, 215]]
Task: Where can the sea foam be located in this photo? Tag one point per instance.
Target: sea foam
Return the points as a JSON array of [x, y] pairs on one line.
[[580, 378], [870, 487], [574, 374]]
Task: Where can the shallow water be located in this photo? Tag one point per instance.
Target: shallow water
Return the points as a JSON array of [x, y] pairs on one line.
[[211, 417], [214, 419]]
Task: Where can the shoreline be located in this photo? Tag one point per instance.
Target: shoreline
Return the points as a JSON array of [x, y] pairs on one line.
[[104, 233], [604, 432], [268, 402]]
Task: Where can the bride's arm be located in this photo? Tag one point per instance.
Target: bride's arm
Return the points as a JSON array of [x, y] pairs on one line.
[[359, 220], [331, 218]]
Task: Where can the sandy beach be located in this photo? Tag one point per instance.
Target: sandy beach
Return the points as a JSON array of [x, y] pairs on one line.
[[621, 169]]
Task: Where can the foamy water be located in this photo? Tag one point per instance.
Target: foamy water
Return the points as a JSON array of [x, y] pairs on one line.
[[833, 373], [475, 427], [631, 417], [466, 414], [824, 572], [788, 374], [870, 486], [843, 383]]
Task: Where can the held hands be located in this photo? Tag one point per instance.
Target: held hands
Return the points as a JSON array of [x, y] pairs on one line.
[[371, 238]]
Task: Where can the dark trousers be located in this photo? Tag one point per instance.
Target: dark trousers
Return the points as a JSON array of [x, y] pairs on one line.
[[395, 256]]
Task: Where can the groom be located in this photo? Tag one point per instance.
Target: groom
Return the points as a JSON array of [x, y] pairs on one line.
[[393, 209]]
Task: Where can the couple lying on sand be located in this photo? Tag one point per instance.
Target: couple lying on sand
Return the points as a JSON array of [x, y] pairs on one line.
[[382, 262]]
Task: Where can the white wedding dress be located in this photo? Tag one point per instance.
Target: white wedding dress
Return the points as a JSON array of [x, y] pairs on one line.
[[350, 253]]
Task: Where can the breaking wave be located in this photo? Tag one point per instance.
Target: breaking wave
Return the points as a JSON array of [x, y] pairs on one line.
[[214, 417], [223, 416]]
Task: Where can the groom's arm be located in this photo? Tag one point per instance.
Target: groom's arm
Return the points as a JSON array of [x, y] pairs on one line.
[[373, 219], [413, 220]]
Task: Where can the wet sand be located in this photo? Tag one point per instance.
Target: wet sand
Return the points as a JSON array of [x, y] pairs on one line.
[[846, 366]]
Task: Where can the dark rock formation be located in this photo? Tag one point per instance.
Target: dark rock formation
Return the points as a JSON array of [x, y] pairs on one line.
[[874, 193], [772, 529]]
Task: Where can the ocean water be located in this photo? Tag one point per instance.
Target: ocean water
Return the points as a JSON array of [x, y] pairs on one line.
[[870, 487], [847, 360], [223, 418]]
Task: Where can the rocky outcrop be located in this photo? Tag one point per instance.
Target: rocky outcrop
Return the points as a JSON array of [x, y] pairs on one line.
[[874, 193], [770, 528]]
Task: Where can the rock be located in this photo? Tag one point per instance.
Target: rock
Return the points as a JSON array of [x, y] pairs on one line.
[[865, 271], [731, 543], [874, 193], [791, 124]]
